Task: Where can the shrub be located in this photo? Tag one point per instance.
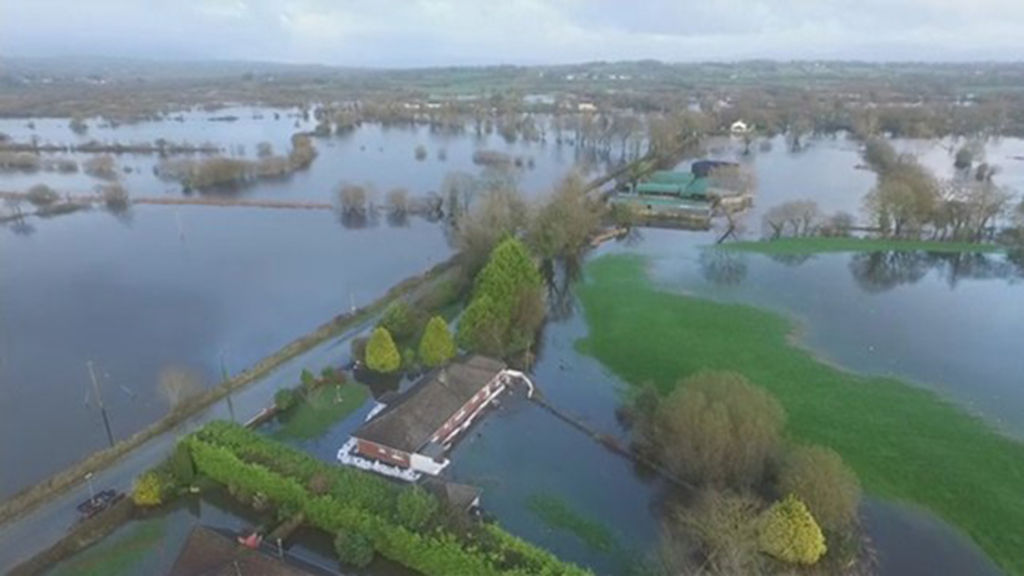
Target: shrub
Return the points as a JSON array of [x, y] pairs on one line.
[[181, 465], [789, 533], [285, 399], [78, 125], [725, 528], [353, 199], [115, 197], [398, 201], [148, 490], [437, 345], [101, 167], [381, 353], [718, 429], [42, 195], [358, 348], [416, 507], [400, 320], [820, 479], [353, 548], [307, 378], [421, 152]]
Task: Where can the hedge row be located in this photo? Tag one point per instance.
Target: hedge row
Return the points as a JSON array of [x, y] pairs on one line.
[[359, 502]]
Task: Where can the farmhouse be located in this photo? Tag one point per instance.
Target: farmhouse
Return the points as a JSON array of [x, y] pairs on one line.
[[414, 432]]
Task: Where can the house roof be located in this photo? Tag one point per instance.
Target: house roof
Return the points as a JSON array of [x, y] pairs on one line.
[[408, 423], [210, 553]]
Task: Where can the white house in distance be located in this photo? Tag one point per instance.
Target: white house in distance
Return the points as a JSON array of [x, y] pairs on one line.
[[586, 107], [739, 127], [413, 433]]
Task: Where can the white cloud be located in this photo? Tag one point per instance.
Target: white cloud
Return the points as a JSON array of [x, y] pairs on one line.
[[439, 32]]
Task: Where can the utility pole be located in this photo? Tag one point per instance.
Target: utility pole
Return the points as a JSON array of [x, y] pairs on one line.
[[224, 379], [99, 400]]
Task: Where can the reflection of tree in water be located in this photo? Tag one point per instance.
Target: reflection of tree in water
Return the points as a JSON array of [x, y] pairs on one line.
[[723, 267], [791, 259], [22, 227], [559, 276], [881, 271]]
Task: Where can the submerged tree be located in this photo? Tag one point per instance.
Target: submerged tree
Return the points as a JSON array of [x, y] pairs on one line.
[[179, 386]]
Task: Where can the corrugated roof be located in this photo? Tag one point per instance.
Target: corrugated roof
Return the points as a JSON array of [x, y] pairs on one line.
[[408, 423], [670, 177]]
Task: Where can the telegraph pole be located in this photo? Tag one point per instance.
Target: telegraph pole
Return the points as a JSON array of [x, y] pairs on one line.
[[99, 400], [224, 379]]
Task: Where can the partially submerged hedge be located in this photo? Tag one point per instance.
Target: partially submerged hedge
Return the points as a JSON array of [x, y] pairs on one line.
[[360, 503]]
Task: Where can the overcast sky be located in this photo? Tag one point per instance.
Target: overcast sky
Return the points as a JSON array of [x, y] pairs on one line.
[[444, 32]]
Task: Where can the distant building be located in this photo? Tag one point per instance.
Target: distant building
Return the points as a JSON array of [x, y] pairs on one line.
[[739, 127], [586, 107], [413, 433]]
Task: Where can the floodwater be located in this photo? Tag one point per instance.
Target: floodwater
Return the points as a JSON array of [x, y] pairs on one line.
[[172, 287], [382, 157], [177, 286]]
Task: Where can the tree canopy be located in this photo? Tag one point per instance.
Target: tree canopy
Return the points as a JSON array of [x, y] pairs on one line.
[[507, 305], [381, 353], [437, 345], [789, 532], [719, 430], [819, 478]]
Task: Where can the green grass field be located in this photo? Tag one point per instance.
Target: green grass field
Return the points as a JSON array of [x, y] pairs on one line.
[[316, 413], [904, 442], [817, 245], [117, 555]]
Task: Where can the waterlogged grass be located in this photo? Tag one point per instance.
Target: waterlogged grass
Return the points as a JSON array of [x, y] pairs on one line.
[[557, 514], [816, 245], [905, 442], [318, 410], [116, 556]]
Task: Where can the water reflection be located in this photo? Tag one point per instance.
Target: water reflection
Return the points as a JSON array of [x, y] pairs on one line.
[[722, 267], [876, 272], [881, 271]]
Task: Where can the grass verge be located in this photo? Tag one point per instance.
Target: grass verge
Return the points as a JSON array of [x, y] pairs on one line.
[[904, 442], [818, 245], [318, 410]]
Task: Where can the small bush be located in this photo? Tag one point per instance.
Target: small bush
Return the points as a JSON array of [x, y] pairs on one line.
[[115, 197], [437, 345], [42, 195], [285, 399], [401, 320], [421, 152], [358, 348], [101, 167], [354, 549], [307, 378], [181, 465], [148, 490], [789, 533], [381, 353], [416, 507]]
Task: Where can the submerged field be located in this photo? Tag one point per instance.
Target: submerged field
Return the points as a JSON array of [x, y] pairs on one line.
[[904, 442]]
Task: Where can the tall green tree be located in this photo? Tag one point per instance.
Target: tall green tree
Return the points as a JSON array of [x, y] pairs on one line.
[[507, 306], [381, 353], [437, 345]]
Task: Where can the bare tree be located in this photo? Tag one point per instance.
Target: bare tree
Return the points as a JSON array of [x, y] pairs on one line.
[[179, 386]]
